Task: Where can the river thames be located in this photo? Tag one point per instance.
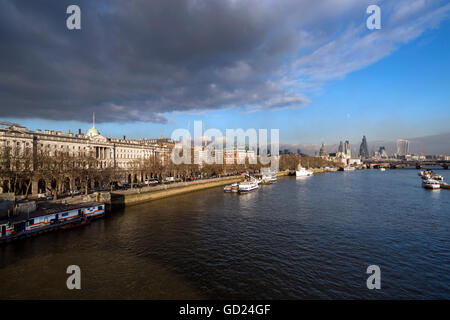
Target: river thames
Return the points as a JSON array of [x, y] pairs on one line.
[[300, 238]]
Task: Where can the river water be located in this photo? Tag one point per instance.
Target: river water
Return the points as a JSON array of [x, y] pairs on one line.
[[300, 238]]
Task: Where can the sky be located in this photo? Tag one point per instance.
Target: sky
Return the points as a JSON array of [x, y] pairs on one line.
[[311, 69]]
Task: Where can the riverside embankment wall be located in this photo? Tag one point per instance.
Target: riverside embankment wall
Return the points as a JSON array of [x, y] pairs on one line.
[[135, 196]]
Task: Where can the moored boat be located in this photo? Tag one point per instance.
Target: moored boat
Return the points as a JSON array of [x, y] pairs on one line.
[[48, 218], [444, 185], [76, 224], [258, 181], [302, 172], [247, 186], [231, 188], [431, 184], [269, 178]]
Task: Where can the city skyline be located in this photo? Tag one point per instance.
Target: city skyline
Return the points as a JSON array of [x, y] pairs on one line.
[[386, 84], [427, 145]]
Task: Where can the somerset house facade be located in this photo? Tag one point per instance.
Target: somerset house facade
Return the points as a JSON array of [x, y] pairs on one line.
[[119, 153]]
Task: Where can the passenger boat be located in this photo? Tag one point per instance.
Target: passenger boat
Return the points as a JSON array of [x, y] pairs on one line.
[[425, 173], [431, 184], [231, 187], [269, 178], [76, 224], [444, 185], [302, 172], [247, 186], [49, 218]]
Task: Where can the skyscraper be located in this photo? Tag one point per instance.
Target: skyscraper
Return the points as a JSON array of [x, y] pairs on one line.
[[364, 149], [341, 147], [382, 152], [402, 147], [347, 150]]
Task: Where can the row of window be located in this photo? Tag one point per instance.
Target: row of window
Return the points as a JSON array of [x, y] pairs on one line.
[[121, 153]]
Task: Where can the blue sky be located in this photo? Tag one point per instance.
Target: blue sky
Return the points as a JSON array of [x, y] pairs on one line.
[[405, 94], [392, 88]]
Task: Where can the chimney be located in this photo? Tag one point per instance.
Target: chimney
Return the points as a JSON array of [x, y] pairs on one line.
[[79, 131], [124, 137]]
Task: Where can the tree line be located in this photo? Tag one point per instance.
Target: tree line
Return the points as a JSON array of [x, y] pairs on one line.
[[61, 171]]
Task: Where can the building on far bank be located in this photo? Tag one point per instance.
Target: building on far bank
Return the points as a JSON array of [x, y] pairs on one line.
[[109, 152], [364, 149], [344, 153], [323, 152], [402, 147]]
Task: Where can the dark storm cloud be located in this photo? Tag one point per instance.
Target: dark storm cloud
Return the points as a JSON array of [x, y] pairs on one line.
[[138, 60]]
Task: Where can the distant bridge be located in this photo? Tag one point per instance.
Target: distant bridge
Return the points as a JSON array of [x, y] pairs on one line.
[[394, 164]]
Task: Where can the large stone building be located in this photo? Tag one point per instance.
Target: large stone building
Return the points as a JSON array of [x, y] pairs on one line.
[[109, 152], [323, 152], [235, 155]]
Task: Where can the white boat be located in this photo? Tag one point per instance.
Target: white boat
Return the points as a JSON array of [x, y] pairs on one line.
[[382, 169], [444, 185], [431, 184], [230, 187], [269, 178], [258, 181], [247, 186], [302, 172], [348, 168]]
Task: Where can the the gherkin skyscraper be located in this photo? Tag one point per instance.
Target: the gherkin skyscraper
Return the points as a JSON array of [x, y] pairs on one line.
[[364, 149]]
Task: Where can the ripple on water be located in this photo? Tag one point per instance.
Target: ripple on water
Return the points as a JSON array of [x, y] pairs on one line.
[[298, 238]]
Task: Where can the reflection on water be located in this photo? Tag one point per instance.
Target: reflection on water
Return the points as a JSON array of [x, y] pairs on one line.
[[298, 238]]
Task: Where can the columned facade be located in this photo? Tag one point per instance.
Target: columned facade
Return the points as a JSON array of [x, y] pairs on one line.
[[17, 142]]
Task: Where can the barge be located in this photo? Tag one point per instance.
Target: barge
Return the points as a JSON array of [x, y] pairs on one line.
[[47, 219]]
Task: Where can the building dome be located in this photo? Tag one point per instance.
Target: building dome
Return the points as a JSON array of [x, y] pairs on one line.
[[92, 132]]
